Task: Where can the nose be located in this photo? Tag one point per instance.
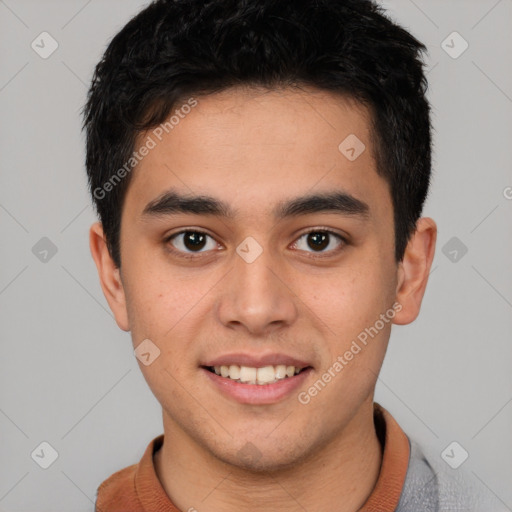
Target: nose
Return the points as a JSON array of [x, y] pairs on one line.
[[256, 297]]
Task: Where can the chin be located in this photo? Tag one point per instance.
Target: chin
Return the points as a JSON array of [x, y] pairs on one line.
[[254, 458]]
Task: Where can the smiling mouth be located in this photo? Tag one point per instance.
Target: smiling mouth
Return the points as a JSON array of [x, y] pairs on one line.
[[257, 376]]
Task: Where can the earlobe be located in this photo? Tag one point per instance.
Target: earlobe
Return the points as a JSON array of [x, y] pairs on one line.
[[414, 270], [110, 276]]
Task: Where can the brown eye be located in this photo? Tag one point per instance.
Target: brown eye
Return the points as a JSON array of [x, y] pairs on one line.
[[191, 241], [319, 240]]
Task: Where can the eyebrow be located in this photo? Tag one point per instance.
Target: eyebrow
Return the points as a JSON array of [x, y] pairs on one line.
[[339, 202]]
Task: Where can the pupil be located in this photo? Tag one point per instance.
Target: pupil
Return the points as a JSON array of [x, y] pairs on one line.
[[318, 237], [194, 240]]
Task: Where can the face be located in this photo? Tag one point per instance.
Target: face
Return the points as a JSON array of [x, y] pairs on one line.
[[258, 281]]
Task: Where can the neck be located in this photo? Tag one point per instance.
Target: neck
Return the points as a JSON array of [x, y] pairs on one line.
[[339, 477]]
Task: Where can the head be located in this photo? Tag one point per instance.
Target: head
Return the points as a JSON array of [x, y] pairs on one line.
[[218, 135]]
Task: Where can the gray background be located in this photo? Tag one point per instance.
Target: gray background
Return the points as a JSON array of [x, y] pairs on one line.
[[68, 375]]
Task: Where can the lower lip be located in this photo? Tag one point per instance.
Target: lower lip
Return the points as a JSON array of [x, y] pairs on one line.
[[260, 394]]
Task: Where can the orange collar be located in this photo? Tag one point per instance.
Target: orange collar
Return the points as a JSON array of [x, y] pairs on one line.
[[138, 489], [395, 461]]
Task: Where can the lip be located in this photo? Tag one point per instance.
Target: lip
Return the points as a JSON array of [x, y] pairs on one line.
[[256, 361], [255, 394]]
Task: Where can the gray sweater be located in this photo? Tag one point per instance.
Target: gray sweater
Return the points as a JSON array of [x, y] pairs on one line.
[[432, 486]]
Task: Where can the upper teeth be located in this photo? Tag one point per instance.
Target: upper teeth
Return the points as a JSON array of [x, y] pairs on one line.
[[249, 375]]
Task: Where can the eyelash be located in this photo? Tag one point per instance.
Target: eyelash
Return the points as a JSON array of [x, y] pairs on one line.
[[191, 256]]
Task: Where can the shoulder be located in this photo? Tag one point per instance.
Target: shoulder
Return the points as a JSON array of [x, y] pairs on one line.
[[431, 485], [117, 493], [135, 488]]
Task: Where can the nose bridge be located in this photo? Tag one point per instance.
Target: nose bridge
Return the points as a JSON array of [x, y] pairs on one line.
[[256, 296], [257, 270]]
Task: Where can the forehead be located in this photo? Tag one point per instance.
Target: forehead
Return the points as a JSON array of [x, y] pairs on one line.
[[260, 145]]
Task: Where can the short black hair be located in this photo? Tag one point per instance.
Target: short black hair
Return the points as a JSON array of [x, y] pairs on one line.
[[175, 49]]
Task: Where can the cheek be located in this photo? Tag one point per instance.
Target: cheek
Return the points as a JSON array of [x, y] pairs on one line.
[[349, 304], [171, 313], [157, 299], [164, 314], [351, 296]]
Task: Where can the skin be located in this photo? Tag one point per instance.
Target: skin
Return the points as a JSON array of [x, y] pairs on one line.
[[241, 146]]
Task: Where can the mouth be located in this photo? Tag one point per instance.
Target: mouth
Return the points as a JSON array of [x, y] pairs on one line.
[[257, 376], [262, 378]]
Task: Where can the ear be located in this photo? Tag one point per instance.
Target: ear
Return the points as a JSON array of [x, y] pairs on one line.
[[110, 276], [414, 270]]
